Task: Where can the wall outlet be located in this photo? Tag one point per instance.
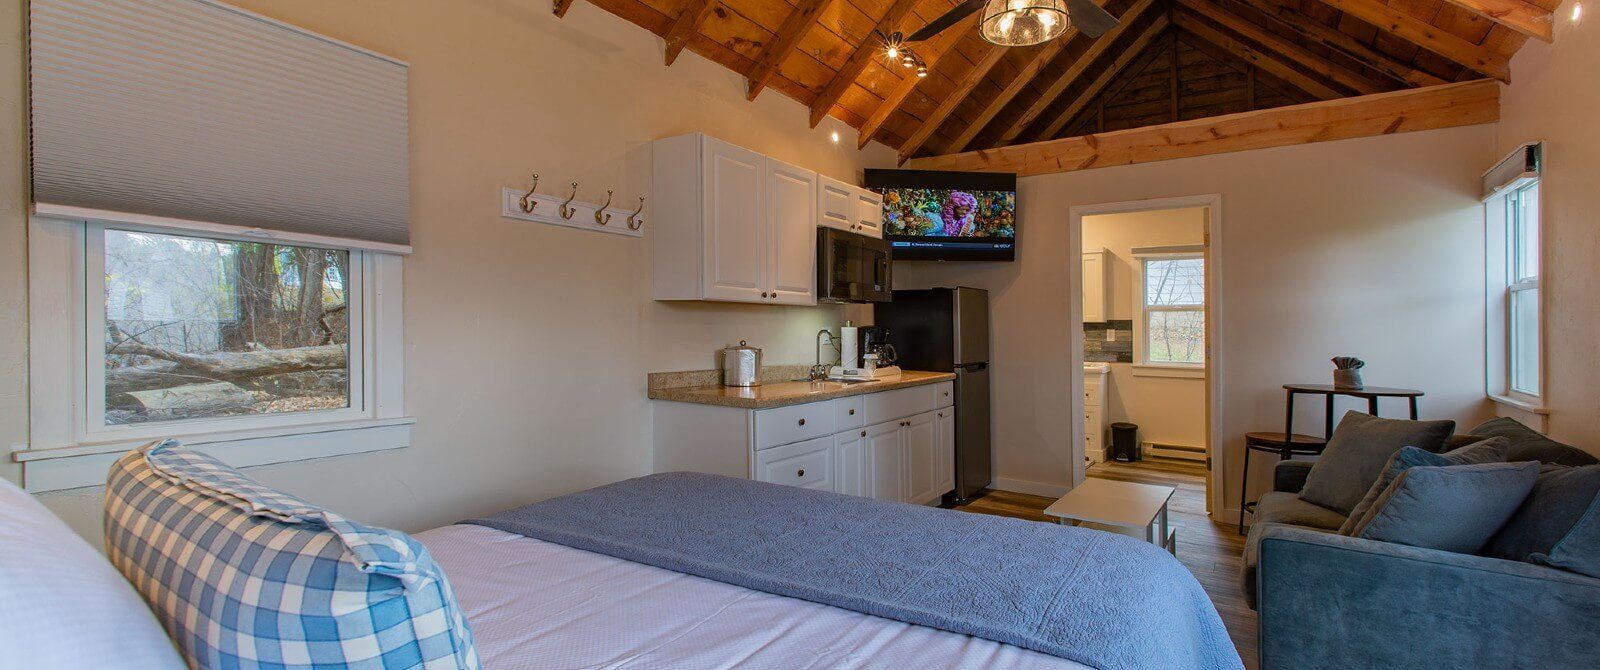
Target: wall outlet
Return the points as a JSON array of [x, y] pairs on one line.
[[1111, 334]]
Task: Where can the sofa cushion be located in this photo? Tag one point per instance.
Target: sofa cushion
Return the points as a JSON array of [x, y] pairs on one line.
[[1450, 508], [1556, 522], [1528, 444], [1357, 452], [1492, 450], [62, 605], [1288, 508], [243, 575]]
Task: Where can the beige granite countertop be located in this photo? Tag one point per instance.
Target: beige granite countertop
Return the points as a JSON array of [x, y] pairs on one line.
[[782, 393]]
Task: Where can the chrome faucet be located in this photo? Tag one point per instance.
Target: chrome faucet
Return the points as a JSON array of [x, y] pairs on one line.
[[820, 371]]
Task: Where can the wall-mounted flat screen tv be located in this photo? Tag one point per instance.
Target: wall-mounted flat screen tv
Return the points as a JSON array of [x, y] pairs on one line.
[[948, 216]]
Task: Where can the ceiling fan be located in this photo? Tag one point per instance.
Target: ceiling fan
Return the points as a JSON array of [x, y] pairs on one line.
[[1017, 23]]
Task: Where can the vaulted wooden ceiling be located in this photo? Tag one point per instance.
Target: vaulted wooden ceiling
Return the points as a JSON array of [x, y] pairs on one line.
[[1168, 60]]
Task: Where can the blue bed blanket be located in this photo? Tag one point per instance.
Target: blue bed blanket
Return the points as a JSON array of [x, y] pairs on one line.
[[1098, 598]]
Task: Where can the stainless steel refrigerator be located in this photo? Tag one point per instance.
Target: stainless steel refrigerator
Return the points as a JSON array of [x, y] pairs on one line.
[[947, 330]]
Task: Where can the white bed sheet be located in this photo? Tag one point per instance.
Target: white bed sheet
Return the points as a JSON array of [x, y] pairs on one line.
[[534, 604]]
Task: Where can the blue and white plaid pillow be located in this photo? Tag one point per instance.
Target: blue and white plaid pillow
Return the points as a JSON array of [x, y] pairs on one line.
[[242, 575]]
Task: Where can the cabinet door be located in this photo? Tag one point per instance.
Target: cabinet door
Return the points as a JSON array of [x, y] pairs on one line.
[[945, 450], [869, 213], [886, 463], [806, 464], [792, 226], [921, 458], [850, 464], [1094, 288], [737, 247], [836, 202]]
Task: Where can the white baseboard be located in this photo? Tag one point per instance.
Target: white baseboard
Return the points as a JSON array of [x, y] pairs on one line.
[[1031, 488]]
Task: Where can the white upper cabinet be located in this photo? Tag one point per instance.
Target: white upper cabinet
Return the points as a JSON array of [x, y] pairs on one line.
[[848, 207], [730, 224], [1096, 286], [869, 213], [791, 221]]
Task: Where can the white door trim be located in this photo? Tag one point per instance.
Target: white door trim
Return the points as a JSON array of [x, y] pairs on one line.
[[1214, 306]]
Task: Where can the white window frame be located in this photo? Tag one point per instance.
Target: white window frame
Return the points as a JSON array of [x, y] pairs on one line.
[[1500, 241], [69, 444], [1142, 365]]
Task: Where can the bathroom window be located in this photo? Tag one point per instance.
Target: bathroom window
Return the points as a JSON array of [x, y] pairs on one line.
[[1170, 331]]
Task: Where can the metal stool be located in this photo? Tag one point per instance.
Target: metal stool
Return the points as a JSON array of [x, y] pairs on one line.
[[1296, 445]]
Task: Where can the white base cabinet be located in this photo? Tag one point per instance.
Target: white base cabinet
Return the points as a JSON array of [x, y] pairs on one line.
[[893, 445]]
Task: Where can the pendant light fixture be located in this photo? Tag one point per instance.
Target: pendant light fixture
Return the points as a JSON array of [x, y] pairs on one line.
[[1020, 23]]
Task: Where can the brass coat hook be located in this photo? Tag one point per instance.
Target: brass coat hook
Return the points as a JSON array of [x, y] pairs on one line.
[[528, 203], [634, 220], [607, 219], [566, 210]]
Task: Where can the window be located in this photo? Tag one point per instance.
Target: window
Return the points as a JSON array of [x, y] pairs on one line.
[[1170, 330], [1522, 289], [197, 328]]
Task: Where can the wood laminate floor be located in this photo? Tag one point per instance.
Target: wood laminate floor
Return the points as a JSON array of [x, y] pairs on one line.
[[1210, 549]]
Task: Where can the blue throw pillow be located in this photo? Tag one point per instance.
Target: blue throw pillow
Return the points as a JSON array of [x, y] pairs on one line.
[[1492, 450], [1559, 523], [1451, 508], [244, 576]]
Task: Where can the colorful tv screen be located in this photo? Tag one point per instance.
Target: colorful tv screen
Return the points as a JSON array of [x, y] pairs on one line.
[[934, 215]]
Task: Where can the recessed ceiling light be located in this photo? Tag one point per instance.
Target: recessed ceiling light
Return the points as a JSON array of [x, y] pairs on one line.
[[834, 137], [1577, 12]]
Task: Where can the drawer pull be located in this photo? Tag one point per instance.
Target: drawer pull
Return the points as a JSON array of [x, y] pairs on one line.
[[800, 473], [852, 412], [863, 433], [802, 422]]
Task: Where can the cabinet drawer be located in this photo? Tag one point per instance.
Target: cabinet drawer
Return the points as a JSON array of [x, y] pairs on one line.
[[787, 425], [1091, 393], [808, 464], [944, 394], [898, 404], [847, 413]]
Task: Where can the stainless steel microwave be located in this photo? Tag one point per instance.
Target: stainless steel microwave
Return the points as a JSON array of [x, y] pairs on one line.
[[852, 267]]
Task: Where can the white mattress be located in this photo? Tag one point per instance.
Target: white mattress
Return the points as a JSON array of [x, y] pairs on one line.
[[533, 604]]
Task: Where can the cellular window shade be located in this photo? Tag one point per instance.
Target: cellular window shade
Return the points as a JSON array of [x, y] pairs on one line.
[[1524, 162], [192, 110]]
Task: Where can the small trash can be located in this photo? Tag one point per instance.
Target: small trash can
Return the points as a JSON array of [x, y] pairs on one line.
[[1125, 442]]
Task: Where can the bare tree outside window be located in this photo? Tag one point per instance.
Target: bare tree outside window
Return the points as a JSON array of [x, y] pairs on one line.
[[1174, 310], [200, 328]]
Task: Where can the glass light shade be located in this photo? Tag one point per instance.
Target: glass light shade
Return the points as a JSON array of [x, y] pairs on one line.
[[1019, 23]]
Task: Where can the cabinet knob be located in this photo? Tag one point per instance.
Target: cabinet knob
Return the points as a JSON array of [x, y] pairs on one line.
[[802, 422], [863, 433], [852, 412], [941, 415], [800, 473]]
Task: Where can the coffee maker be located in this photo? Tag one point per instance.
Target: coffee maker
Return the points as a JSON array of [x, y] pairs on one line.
[[877, 357]]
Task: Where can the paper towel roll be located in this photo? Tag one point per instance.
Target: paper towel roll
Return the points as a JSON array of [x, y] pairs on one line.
[[849, 342]]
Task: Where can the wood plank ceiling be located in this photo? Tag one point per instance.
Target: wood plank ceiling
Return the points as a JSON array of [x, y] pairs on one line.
[[1167, 61]]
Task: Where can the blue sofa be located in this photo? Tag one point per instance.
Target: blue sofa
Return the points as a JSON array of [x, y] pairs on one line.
[[1330, 601]]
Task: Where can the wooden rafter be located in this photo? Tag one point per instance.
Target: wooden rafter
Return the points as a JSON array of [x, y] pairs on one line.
[[859, 59], [687, 25], [1249, 70], [980, 70], [1523, 17], [1342, 42], [1041, 57], [1428, 36], [560, 7], [1076, 70], [1321, 67], [773, 54], [1134, 54], [932, 51], [1406, 110], [1266, 61]]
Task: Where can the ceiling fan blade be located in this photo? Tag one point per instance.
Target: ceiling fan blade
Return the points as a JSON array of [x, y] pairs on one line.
[[1089, 18], [949, 18]]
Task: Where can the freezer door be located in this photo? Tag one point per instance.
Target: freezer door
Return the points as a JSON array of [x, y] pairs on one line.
[[974, 459], [972, 326]]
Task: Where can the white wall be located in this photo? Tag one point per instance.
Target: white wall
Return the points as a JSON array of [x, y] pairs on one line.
[[1169, 410], [1369, 247], [1553, 97], [527, 345]]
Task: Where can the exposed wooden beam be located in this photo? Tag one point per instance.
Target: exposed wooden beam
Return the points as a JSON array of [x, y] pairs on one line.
[[1428, 36], [1135, 54], [773, 54], [1041, 57], [1523, 17], [1407, 110], [1321, 67], [931, 51], [1343, 42], [1076, 70], [980, 70], [859, 59], [560, 7], [687, 25], [1267, 62]]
